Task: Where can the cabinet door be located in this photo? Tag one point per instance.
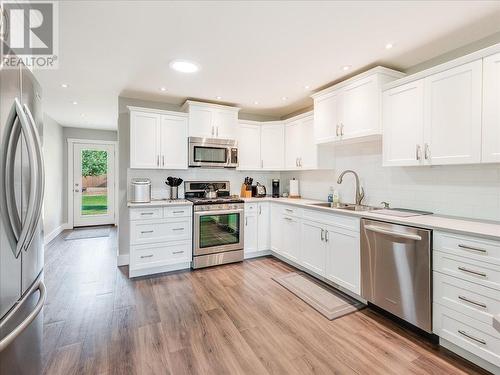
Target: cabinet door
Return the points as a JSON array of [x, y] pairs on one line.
[[201, 122], [291, 238], [326, 118], [144, 140], [308, 156], [276, 228], [343, 258], [452, 130], [249, 147], [263, 212], [225, 124], [403, 124], [173, 141], [251, 234], [272, 146], [313, 251], [360, 108], [491, 109], [292, 144]]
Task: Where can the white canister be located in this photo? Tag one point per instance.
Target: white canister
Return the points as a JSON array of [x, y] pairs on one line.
[[141, 190]]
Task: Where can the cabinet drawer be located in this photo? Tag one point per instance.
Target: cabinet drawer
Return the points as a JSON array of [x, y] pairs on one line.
[[476, 337], [178, 211], [152, 231], [250, 207], [146, 213], [476, 301], [470, 247], [164, 253], [291, 211], [467, 269], [341, 221]]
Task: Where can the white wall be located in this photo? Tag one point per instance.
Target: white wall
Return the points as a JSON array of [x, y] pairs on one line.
[[462, 190], [53, 153]]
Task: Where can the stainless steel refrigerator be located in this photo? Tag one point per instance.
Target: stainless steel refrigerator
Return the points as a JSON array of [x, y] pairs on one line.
[[22, 292]]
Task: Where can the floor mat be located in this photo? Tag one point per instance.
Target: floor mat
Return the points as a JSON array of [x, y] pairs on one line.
[[331, 303], [91, 232]]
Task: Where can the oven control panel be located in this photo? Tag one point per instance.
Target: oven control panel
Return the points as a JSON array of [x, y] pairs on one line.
[[219, 207]]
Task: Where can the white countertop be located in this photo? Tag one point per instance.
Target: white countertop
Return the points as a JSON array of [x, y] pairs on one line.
[[161, 203], [487, 229]]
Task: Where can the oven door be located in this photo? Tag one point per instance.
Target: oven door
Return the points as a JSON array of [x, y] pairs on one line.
[[209, 155], [217, 231]]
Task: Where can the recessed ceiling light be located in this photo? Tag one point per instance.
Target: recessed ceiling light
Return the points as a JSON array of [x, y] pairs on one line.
[[307, 87], [184, 66], [218, 97], [163, 89], [389, 46], [75, 102], [64, 85], [82, 114], [284, 98], [256, 102], [346, 67]]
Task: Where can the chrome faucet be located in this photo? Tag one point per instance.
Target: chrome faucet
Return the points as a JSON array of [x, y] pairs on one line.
[[360, 192]]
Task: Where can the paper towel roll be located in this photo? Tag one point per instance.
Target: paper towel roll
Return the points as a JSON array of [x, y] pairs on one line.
[[294, 188]]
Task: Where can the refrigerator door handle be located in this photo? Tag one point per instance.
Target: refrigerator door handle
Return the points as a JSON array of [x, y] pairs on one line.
[[37, 285], [39, 183]]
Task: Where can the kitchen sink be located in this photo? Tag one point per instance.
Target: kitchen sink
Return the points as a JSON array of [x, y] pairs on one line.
[[345, 206]]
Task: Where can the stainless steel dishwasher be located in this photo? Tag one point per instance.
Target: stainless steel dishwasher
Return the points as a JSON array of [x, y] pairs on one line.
[[396, 270]]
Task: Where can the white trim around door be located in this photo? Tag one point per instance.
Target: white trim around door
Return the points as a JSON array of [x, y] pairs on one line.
[[70, 177]]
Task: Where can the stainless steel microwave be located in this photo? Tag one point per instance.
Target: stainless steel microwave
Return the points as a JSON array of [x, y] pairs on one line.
[[213, 152]]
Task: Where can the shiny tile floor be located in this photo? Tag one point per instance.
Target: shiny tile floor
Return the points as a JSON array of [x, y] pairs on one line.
[[231, 319]]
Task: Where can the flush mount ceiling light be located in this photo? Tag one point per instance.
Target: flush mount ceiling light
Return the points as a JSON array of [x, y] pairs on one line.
[[163, 89], [389, 45], [64, 85], [75, 102], [184, 66], [346, 67]]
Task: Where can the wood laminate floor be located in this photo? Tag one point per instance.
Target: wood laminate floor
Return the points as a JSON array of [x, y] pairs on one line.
[[231, 319]]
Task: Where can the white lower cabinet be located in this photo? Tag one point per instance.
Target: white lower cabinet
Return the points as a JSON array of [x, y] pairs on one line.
[[160, 239], [257, 229], [290, 247], [466, 295], [313, 247]]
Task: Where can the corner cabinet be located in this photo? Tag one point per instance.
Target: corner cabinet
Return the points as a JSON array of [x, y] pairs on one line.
[[208, 120], [351, 110], [158, 139]]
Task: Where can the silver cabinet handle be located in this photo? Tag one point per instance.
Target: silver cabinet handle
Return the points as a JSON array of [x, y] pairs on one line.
[[467, 247], [480, 304], [260, 210], [478, 273], [322, 234], [158, 160], [337, 130], [469, 336], [246, 220], [217, 131], [178, 252], [178, 212], [407, 236], [262, 163], [341, 129], [177, 229], [213, 131], [296, 162], [37, 285], [146, 256], [289, 210], [147, 213], [426, 151], [288, 218], [163, 160], [418, 155], [146, 231], [327, 236]]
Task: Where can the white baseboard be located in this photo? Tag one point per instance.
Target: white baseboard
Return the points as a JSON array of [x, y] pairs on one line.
[[123, 260], [256, 254], [56, 232]]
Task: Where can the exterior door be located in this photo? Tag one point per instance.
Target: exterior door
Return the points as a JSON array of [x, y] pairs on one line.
[[93, 184]]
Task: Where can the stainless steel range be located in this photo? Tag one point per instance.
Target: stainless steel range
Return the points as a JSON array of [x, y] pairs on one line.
[[217, 223]]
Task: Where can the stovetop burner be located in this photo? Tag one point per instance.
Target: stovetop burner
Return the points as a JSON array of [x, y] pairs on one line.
[[194, 191]]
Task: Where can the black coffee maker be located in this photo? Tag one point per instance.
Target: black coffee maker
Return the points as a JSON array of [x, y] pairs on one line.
[[276, 188]]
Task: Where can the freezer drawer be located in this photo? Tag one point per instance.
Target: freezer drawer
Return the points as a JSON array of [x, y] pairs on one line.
[[396, 270]]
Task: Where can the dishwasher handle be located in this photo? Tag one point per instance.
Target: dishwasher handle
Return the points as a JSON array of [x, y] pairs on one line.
[[408, 236]]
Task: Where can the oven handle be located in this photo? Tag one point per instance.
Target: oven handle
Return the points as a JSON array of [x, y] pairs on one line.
[[219, 212]]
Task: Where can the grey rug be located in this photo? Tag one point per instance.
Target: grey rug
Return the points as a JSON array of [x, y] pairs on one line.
[[331, 303], [91, 232]]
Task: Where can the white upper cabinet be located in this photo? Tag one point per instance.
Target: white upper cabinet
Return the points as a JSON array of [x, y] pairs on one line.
[[211, 120], [158, 139], [491, 109], [351, 110], [249, 145], [309, 149], [326, 117], [452, 115], [272, 146], [144, 139], [403, 118], [292, 144], [173, 142]]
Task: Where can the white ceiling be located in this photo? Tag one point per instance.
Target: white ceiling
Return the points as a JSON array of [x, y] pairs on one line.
[[248, 51]]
